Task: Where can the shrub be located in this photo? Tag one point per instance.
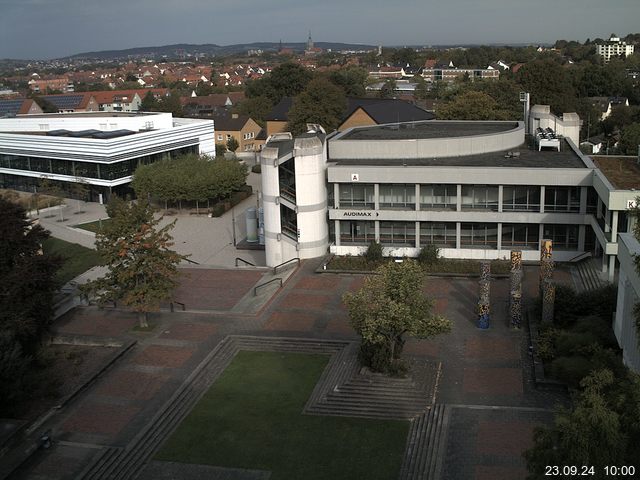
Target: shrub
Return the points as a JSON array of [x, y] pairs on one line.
[[374, 252], [218, 209], [546, 345], [571, 343], [256, 168], [569, 305], [598, 327], [429, 254], [571, 370]]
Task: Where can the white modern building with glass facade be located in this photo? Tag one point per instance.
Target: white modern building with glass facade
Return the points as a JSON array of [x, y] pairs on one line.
[[99, 149], [473, 189]]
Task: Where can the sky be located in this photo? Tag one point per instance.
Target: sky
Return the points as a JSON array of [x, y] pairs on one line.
[[43, 29]]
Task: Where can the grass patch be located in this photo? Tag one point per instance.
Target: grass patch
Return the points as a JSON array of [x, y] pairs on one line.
[[93, 226], [148, 328], [76, 258], [252, 418], [442, 265]]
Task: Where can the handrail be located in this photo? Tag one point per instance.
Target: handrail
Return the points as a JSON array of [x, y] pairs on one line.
[[191, 261], [255, 290], [179, 303], [245, 261], [275, 269], [582, 256]]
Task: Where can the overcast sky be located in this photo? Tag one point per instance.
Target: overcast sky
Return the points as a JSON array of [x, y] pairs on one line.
[[38, 29]]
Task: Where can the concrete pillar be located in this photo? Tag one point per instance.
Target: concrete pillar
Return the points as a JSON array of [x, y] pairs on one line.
[[417, 234], [417, 196], [598, 208], [459, 199], [583, 200], [458, 231], [542, 190], [614, 226], [612, 268], [376, 196], [336, 229], [500, 199], [377, 230], [582, 233], [336, 195], [499, 239], [604, 262]]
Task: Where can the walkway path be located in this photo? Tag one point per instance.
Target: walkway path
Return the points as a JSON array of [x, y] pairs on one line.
[[485, 406]]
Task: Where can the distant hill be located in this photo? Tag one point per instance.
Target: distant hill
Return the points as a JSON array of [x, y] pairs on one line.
[[210, 49]]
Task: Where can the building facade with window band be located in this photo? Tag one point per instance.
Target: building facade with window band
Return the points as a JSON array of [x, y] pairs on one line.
[[473, 189], [101, 150]]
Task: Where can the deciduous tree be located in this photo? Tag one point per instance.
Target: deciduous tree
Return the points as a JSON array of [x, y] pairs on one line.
[[142, 267], [321, 102], [389, 306]]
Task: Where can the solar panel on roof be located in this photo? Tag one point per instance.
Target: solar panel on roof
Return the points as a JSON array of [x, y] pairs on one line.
[[84, 133], [10, 107], [66, 102], [59, 133], [112, 134]]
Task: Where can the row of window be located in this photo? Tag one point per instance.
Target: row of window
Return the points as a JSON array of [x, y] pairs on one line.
[[472, 235], [103, 171], [474, 197]]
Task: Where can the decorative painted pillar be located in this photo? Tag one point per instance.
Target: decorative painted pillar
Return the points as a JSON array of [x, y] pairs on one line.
[[484, 306], [515, 297], [547, 288]]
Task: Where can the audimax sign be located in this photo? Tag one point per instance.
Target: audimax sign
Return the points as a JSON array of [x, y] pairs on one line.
[[360, 214]]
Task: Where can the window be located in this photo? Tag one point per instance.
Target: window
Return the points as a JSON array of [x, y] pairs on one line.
[[438, 197], [520, 235], [521, 198], [479, 235], [562, 199], [398, 196], [564, 237], [592, 200], [438, 234], [356, 195], [289, 222], [398, 234], [357, 233], [480, 197]]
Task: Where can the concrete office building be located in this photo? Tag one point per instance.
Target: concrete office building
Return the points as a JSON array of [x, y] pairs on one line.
[[474, 189], [103, 150]]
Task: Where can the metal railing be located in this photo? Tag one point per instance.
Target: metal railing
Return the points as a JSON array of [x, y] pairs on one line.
[[275, 269], [255, 290], [582, 256], [244, 261], [192, 261], [177, 303]]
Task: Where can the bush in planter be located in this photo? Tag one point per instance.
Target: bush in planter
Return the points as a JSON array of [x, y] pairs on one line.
[[218, 209], [374, 252], [429, 254], [571, 370], [256, 168]]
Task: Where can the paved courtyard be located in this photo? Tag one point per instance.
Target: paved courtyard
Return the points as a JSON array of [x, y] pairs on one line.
[[485, 379]]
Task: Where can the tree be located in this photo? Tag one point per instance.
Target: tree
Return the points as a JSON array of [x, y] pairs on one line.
[[142, 268], [171, 104], [27, 278], [351, 79], [257, 108], [149, 103], [549, 84], [591, 433], [389, 306], [321, 102], [232, 144], [630, 139], [221, 149], [471, 105], [388, 89]]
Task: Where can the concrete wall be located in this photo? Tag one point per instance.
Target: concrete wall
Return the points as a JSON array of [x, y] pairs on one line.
[[628, 295], [429, 147]]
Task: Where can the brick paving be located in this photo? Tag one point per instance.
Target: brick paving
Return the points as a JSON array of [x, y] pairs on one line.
[[479, 368], [163, 356], [205, 289], [100, 418]]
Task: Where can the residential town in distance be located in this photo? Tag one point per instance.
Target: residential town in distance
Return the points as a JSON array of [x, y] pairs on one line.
[[322, 261]]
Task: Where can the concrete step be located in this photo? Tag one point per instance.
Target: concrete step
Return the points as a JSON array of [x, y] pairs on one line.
[[426, 445]]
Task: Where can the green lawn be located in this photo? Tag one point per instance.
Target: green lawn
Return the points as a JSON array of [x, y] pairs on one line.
[[252, 418], [93, 226], [76, 258]]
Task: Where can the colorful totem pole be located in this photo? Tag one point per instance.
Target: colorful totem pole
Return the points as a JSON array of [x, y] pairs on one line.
[[484, 296], [547, 288], [515, 297]]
